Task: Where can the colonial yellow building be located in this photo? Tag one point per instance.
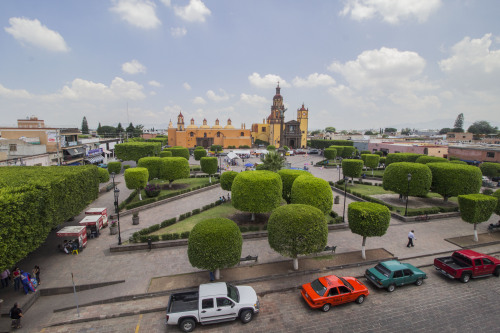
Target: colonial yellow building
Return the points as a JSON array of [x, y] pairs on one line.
[[206, 136], [274, 130], [277, 132]]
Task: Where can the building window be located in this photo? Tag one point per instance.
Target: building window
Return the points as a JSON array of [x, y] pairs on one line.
[[263, 129], [191, 134], [204, 135], [490, 154], [218, 134], [13, 147], [242, 134]]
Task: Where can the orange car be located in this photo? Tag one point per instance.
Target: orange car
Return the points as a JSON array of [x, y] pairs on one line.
[[332, 290]]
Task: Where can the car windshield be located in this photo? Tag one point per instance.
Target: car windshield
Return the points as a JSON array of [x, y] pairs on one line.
[[347, 284], [232, 293], [381, 268], [318, 287]]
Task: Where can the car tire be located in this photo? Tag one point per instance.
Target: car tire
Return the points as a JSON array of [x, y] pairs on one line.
[[419, 281], [391, 288], [326, 307], [496, 272], [246, 316], [360, 299], [465, 278], [187, 325]]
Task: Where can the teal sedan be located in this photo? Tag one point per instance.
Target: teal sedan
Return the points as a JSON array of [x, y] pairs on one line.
[[392, 273]]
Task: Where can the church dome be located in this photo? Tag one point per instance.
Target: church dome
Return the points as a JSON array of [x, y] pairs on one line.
[[192, 125], [217, 124], [204, 124]]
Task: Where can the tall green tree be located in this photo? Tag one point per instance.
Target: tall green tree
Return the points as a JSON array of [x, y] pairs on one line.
[[130, 130], [330, 130], [445, 130], [85, 126], [136, 179], [119, 129], [476, 208], [138, 130], [459, 122], [482, 127], [209, 165], [390, 130], [99, 129], [273, 161]]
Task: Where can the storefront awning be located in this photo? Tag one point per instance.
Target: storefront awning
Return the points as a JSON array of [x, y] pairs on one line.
[[94, 159]]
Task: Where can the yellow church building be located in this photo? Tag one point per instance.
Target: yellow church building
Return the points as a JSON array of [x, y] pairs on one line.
[[277, 132], [274, 130]]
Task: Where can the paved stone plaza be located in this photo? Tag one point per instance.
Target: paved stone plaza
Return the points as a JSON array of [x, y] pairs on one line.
[[280, 311]]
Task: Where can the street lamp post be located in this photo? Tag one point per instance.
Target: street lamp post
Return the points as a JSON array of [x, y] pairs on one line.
[[117, 211], [338, 169], [407, 194], [345, 195], [282, 113]]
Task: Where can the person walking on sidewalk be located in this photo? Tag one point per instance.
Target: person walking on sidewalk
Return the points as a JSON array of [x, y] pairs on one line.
[[411, 237], [16, 275], [5, 278], [16, 314], [36, 274]]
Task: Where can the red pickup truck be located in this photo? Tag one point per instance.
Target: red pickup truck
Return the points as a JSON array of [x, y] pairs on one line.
[[467, 264]]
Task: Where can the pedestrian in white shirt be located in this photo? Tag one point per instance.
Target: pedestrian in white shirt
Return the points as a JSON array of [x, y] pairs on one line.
[[411, 237]]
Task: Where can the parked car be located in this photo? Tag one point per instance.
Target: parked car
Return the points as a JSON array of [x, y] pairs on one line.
[[102, 165], [212, 303], [467, 264], [313, 151], [392, 273], [300, 152], [330, 290]]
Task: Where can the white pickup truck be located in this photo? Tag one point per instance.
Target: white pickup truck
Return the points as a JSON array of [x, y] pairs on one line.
[[212, 303]]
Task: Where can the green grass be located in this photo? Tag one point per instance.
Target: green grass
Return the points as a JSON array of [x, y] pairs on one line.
[[190, 182], [223, 210], [379, 173], [368, 189]]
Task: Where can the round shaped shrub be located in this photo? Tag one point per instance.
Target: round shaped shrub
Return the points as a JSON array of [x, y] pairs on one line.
[[103, 175], [396, 178], [199, 148], [174, 168], [152, 190], [352, 168], [371, 160], [226, 180], [115, 167], [379, 153], [476, 208], [312, 191], [126, 166], [199, 153], [401, 157], [215, 243], [348, 151], [165, 153], [256, 191], [330, 153], [431, 159], [368, 219], [153, 164], [496, 194], [382, 160], [271, 147], [209, 165], [452, 179], [288, 176], [136, 178], [490, 169], [297, 229], [339, 149], [179, 152]]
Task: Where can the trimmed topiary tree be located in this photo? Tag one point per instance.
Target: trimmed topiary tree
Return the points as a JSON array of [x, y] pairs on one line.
[[296, 229], [476, 208], [330, 153], [431, 159], [179, 152], [496, 194], [396, 178], [133, 151], [165, 153], [452, 179], [199, 153], [490, 169], [352, 168], [458, 162], [226, 179], [256, 191], [136, 179], [368, 219], [209, 166], [288, 176], [216, 148], [174, 168], [214, 244], [103, 175], [371, 161], [347, 152], [271, 147], [312, 191], [153, 164], [401, 157], [115, 167]]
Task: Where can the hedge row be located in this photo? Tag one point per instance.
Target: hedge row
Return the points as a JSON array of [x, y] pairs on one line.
[[322, 144], [401, 157], [133, 151]]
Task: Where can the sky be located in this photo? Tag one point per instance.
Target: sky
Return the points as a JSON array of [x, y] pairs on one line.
[[355, 64]]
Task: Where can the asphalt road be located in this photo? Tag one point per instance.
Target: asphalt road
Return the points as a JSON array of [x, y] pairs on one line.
[[439, 305]]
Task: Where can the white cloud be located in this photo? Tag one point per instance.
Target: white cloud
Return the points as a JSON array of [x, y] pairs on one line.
[[178, 32], [314, 80], [195, 11], [173, 110], [152, 93], [199, 100], [155, 84], [186, 86], [141, 14], [216, 98], [253, 99], [167, 3], [268, 81], [34, 33], [81, 89], [133, 67], [391, 11], [14, 94]]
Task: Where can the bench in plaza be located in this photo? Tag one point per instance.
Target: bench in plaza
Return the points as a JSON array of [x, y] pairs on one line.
[[249, 258]]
